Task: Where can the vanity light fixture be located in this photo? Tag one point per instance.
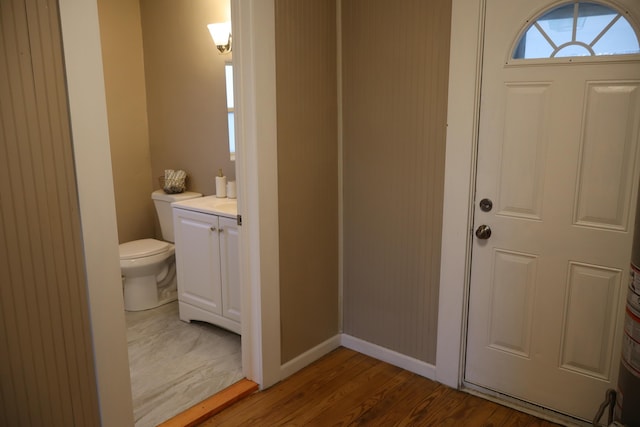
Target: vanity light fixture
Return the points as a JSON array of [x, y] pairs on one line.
[[221, 35]]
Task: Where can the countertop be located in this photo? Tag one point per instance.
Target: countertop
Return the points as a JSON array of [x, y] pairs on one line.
[[210, 205]]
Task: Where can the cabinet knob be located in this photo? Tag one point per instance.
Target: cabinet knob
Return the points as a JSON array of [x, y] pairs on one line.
[[213, 228], [220, 230]]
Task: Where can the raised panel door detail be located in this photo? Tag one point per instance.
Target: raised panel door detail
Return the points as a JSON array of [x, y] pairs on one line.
[[608, 142], [230, 269], [524, 149], [589, 321], [198, 273], [512, 299]]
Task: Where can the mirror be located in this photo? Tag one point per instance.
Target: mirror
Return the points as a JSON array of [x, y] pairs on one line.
[[228, 72]]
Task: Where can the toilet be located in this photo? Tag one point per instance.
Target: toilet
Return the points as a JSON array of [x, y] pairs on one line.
[[148, 266]]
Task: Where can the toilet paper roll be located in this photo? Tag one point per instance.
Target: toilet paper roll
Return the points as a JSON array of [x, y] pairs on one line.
[[221, 186], [231, 189]]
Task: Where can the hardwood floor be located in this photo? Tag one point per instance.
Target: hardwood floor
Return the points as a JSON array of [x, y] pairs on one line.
[[349, 388]]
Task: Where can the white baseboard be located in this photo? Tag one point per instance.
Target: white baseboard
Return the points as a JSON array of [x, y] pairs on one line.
[[416, 366], [308, 357]]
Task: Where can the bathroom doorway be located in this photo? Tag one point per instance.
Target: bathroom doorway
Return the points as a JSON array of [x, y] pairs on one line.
[[256, 166], [167, 109]]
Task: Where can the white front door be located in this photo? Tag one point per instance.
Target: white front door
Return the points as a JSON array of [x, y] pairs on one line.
[[558, 159]]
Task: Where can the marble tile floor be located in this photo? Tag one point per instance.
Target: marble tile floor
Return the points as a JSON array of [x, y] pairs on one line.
[[175, 365]]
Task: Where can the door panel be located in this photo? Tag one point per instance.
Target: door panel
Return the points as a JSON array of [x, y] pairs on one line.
[[197, 271], [607, 145], [514, 278], [524, 149], [230, 269], [558, 155], [589, 325]]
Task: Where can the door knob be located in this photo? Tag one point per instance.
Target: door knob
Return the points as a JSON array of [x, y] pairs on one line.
[[486, 205], [483, 232]]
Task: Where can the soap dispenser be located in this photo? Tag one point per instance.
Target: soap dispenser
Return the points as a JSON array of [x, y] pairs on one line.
[[221, 185]]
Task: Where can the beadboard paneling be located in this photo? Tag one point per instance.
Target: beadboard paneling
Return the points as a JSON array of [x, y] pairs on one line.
[[46, 359], [395, 68], [306, 92]]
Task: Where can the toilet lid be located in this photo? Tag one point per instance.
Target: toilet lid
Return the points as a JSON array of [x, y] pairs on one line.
[[142, 248]]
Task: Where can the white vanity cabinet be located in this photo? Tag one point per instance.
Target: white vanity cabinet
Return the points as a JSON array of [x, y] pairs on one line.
[[207, 265]]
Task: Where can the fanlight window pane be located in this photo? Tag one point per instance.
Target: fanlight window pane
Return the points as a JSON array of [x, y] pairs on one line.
[[558, 24], [573, 50], [578, 29], [613, 41], [533, 45], [598, 18]]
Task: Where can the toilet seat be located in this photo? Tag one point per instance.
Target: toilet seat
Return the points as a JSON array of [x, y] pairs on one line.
[[143, 248]]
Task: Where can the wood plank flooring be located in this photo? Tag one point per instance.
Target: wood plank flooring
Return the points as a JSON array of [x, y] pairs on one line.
[[347, 388]]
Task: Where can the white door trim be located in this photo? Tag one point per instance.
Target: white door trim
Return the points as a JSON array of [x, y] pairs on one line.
[[462, 124], [90, 138], [253, 23]]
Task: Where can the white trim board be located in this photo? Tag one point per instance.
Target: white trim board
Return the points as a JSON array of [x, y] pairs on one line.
[[256, 165], [90, 138], [410, 364], [394, 358], [309, 356], [466, 30]]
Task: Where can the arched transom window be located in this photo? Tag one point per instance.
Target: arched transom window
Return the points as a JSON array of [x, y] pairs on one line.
[[578, 28]]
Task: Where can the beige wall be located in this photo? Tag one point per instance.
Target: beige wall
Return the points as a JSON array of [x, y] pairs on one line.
[[47, 360], [121, 39], [306, 96], [394, 119], [166, 101], [185, 84], [394, 103]]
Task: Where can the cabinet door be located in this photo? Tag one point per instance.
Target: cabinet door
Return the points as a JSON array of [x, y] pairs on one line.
[[197, 259], [230, 269]]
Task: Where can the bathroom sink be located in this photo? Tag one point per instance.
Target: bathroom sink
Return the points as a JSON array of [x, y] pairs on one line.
[[210, 205], [228, 208]]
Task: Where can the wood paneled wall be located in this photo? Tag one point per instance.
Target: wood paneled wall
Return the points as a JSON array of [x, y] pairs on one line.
[[395, 73], [46, 361], [307, 117]]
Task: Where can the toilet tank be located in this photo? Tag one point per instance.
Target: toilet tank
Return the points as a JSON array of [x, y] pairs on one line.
[[162, 202]]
